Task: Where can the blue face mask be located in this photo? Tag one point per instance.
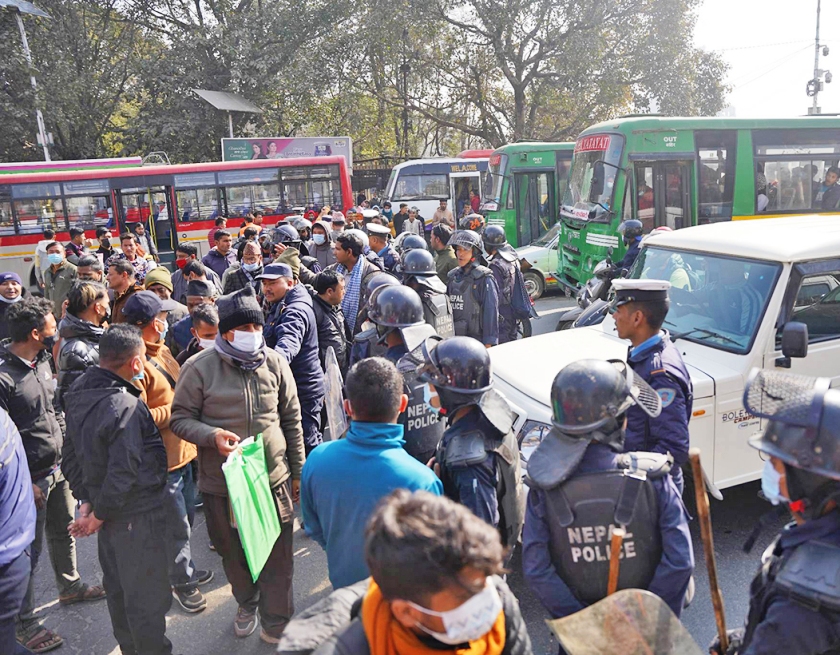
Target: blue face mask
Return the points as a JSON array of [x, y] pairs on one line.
[[165, 329], [139, 376], [771, 484], [250, 267], [55, 258], [319, 239]]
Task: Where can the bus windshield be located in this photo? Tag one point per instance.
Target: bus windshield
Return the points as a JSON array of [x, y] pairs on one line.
[[592, 179], [492, 191], [549, 236], [717, 301]]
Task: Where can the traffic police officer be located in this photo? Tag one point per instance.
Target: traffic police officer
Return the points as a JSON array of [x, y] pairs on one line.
[[478, 455], [420, 274], [398, 315], [473, 291], [378, 238], [631, 231], [504, 263], [795, 598], [640, 307], [581, 488]]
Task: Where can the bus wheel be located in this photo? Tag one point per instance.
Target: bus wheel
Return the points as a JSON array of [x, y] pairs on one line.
[[534, 284], [524, 329]]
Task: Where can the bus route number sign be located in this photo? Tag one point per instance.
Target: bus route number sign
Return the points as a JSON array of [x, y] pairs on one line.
[[590, 143]]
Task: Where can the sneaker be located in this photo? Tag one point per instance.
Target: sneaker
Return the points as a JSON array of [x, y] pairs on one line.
[[190, 599], [201, 577], [245, 623], [267, 638]]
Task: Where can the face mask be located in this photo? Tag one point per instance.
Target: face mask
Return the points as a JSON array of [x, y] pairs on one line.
[[470, 621], [140, 375], [180, 263], [771, 484], [204, 344], [247, 342], [251, 267], [49, 342], [319, 239], [55, 258], [431, 398], [165, 328]]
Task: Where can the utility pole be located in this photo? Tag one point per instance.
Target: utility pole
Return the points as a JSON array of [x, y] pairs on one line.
[[815, 85], [42, 130], [404, 69]]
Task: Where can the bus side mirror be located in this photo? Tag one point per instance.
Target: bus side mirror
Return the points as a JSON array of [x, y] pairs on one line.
[[597, 188], [794, 343]]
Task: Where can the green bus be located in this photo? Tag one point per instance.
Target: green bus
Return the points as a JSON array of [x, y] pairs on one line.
[[678, 172], [523, 189]]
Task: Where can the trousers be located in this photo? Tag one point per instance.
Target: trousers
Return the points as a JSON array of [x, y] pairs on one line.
[[180, 497], [14, 578]]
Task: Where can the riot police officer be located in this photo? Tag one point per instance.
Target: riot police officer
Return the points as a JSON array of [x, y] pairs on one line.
[[478, 455], [411, 242], [631, 232], [794, 598], [378, 237], [473, 291], [398, 315], [504, 263], [581, 488], [288, 248], [304, 228], [420, 274], [366, 342], [640, 307]]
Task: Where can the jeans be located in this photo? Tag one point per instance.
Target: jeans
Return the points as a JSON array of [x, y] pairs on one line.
[[53, 520], [14, 581], [180, 502], [310, 414], [134, 563]]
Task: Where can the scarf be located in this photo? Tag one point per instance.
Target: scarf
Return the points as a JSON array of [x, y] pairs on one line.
[[387, 636], [238, 358], [353, 293]]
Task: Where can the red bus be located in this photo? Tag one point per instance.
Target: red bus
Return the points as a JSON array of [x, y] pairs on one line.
[[177, 203]]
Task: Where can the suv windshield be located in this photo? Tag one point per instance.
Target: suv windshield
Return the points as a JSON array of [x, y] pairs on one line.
[[717, 301], [548, 237], [589, 194], [492, 189]]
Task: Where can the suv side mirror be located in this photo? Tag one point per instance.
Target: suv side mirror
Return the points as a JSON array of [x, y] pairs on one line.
[[794, 343]]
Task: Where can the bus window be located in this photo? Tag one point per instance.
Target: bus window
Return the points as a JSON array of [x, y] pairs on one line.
[[418, 187], [562, 169], [644, 196], [716, 175], [7, 223], [662, 194], [535, 208], [89, 212], [35, 214], [197, 204]]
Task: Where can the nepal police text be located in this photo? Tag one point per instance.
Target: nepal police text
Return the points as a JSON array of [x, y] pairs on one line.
[[599, 536], [420, 416]]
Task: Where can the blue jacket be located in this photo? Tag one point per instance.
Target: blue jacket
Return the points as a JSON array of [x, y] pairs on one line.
[[181, 334], [630, 256], [217, 262], [390, 258], [292, 331], [343, 481], [675, 567], [659, 363], [17, 503]]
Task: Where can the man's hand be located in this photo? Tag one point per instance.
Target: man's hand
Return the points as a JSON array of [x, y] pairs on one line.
[[432, 464], [295, 491], [226, 442], [279, 248], [40, 498], [85, 526], [85, 510]]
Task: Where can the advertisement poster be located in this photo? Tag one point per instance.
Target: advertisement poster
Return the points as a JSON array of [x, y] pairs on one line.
[[285, 148]]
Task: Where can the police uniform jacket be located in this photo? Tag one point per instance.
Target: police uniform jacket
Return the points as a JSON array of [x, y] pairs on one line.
[[676, 564], [390, 258], [630, 256]]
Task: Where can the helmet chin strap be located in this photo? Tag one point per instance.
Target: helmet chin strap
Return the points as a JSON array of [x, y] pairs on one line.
[[614, 437]]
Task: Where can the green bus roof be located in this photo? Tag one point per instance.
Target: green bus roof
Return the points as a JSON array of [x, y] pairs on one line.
[[531, 146], [654, 123]]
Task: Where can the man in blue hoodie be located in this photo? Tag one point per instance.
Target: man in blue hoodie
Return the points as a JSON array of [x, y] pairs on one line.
[[343, 481]]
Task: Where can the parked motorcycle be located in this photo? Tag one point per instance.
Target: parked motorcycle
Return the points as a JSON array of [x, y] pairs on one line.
[[593, 293]]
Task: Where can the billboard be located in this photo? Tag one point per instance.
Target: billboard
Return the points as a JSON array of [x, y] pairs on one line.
[[286, 148]]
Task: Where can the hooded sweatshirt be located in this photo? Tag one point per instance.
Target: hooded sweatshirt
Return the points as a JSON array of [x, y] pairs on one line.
[[342, 483], [323, 253]]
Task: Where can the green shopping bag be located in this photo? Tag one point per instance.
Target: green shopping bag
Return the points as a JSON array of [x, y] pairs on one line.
[[252, 502]]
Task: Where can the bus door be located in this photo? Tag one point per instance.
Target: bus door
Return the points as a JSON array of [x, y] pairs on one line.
[[460, 185], [663, 194], [153, 207], [535, 204]]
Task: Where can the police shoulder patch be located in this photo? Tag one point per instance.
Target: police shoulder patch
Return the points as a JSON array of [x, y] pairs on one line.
[[666, 396]]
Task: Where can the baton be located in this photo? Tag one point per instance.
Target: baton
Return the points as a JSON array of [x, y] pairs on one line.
[[615, 550], [708, 545]]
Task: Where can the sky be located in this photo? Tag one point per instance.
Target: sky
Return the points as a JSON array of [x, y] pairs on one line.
[[769, 46]]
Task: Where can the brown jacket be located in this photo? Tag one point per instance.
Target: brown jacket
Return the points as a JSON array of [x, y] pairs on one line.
[[157, 392], [215, 394], [118, 302]]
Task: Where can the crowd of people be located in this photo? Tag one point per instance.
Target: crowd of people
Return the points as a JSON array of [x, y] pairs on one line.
[[126, 387]]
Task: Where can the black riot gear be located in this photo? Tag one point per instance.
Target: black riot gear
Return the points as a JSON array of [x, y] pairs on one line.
[[420, 274], [466, 239], [285, 234], [493, 237], [459, 364], [395, 307], [380, 279], [412, 242], [423, 427], [630, 229], [418, 262]]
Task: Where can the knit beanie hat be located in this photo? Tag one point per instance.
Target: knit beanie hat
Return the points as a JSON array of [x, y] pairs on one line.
[[291, 257], [159, 275], [239, 308]]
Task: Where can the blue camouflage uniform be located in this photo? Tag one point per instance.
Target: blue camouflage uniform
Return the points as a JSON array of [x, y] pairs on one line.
[[676, 565], [658, 362], [390, 258]]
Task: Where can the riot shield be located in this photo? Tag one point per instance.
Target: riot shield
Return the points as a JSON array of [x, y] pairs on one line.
[[334, 398], [630, 622]]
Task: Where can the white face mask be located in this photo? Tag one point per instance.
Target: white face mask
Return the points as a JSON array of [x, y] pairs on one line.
[[319, 239], [431, 398], [204, 344], [247, 342], [469, 621], [771, 484]]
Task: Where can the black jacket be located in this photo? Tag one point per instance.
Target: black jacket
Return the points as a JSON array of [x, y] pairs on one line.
[[332, 331], [29, 397], [114, 455], [352, 640], [79, 351]]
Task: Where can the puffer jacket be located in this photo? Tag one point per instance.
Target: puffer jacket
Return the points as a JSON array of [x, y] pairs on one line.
[[332, 331], [29, 397], [79, 351], [215, 394]]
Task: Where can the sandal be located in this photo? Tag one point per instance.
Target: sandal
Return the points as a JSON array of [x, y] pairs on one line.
[[86, 593], [41, 641]]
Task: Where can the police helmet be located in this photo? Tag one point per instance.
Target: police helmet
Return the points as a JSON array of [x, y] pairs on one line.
[[412, 242], [494, 236], [630, 230], [300, 223], [380, 279], [395, 307], [465, 239], [592, 395], [418, 262], [458, 364], [472, 222], [285, 234]]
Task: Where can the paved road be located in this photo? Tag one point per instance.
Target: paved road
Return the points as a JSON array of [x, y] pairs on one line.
[[87, 631]]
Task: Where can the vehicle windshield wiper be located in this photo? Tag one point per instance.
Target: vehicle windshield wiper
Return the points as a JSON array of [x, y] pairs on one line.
[[711, 333]]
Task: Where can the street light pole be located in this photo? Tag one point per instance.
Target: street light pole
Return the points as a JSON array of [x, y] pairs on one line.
[[404, 69], [815, 108], [42, 130]]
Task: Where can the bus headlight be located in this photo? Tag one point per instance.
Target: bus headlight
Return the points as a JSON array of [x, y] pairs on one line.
[[531, 436]]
